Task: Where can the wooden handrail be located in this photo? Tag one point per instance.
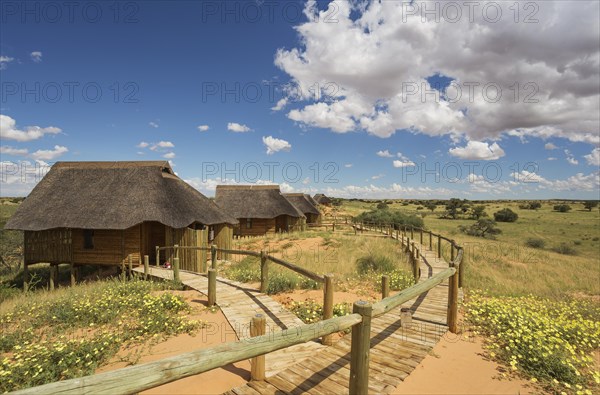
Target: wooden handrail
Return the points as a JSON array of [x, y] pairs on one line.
[[142, 377], [297, 269]]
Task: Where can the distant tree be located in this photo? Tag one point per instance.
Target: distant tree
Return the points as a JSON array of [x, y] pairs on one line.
[[562, 208], [453, 206], [590, 204], [382, 206], [506, 215], [478, 211], [535, 205], [482, 228], [430, 206]]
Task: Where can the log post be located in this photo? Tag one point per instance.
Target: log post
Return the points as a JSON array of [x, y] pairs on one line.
[[430, 241], [328, 305], [421, 236], [213, 256], [385, 286], [360, 349], [157, 257], [452, 316], [258, 327], [146, 266], [212, 287], [412, 236], [264, 272], [52, 279], [176, 250], [176, 277], [129, 268], [439, 246], [25, 277], [333, 226]]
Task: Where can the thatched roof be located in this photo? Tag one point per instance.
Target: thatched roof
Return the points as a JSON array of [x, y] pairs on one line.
[[114, 195], [310, 199], [300, 201], [254, 201], [322, 199]]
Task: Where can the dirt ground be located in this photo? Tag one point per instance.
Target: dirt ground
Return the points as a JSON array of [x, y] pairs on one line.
[[455, 366]]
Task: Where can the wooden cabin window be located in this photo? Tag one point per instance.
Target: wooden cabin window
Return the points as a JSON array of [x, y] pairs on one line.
[[88, 239], [248, 223]]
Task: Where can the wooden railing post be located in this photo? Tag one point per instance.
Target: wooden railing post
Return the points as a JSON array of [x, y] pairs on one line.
[[264, 272], [385, 286], [430, 241], [129, 268], [412, 236], [360, 349], [452, 316], [421, 236], [176, 270], [328, 306], [157, 257], [176, 250], [212, 287], [439, 246], [258, 327], [146, 266], [213, 256]]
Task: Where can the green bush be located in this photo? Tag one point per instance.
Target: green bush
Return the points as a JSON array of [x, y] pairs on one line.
[[562, 208], [505, 215], [565, 249], [396, 218], [535, 243], [282, 282], [374, 263], [481, 228]]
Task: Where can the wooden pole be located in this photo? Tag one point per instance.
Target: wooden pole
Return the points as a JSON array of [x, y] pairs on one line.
[[25, 277], [73, 274], [452, 316], [421, 236], [264, 272], [360, 348], [328, 305], [258, 327], [213, 256], [176, 250], [212, 287], [385, 286], [157, 257], [412, 236], [430, 241], [129, 268], [176, 277], [146, 266], [52, 279], [439, 246]]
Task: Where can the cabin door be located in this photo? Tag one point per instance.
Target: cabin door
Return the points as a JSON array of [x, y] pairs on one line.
[[281, 223]]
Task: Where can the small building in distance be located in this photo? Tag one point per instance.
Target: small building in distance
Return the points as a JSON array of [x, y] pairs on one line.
[[303, 203], [110, 213], [260, 209], [322, 199]]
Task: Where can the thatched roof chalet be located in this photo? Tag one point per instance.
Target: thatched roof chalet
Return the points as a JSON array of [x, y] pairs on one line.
[[114, 195], [254, 201], [322, 199], [301, 202]]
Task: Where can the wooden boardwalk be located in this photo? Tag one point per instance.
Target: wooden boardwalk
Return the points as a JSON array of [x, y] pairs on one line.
[[395, 350], [239, 304]]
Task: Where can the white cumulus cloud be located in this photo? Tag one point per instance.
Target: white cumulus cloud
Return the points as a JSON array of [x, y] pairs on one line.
[[593, 159], [237, 127], [36, 56], [275, 145], [385, 154], [7, 150], [9, 130], [50, 154], [478, 150], [4, 61], [203, 128]]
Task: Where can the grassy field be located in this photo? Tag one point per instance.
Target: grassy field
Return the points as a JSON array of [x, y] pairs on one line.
[[506, 266]]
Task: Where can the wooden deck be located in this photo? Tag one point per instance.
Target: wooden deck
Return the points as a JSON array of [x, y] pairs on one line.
[[239, 304], [395, 350], [315, 369]]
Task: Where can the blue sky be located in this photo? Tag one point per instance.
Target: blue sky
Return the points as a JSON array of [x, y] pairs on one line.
[[248, 72]]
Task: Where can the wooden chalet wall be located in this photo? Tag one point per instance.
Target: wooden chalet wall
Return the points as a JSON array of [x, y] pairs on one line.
[[260, 227], [48, 246], [111, 247], [223, 239], [193, 260]]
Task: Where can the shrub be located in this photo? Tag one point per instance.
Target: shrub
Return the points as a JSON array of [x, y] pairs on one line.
[[590, 204], [535, 243], [506, 215], [396, 218], [481, 228], [565, 249], [577, 242], [382, 206], [562, 208], [282, 282], [374, 263], [311, 311]]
